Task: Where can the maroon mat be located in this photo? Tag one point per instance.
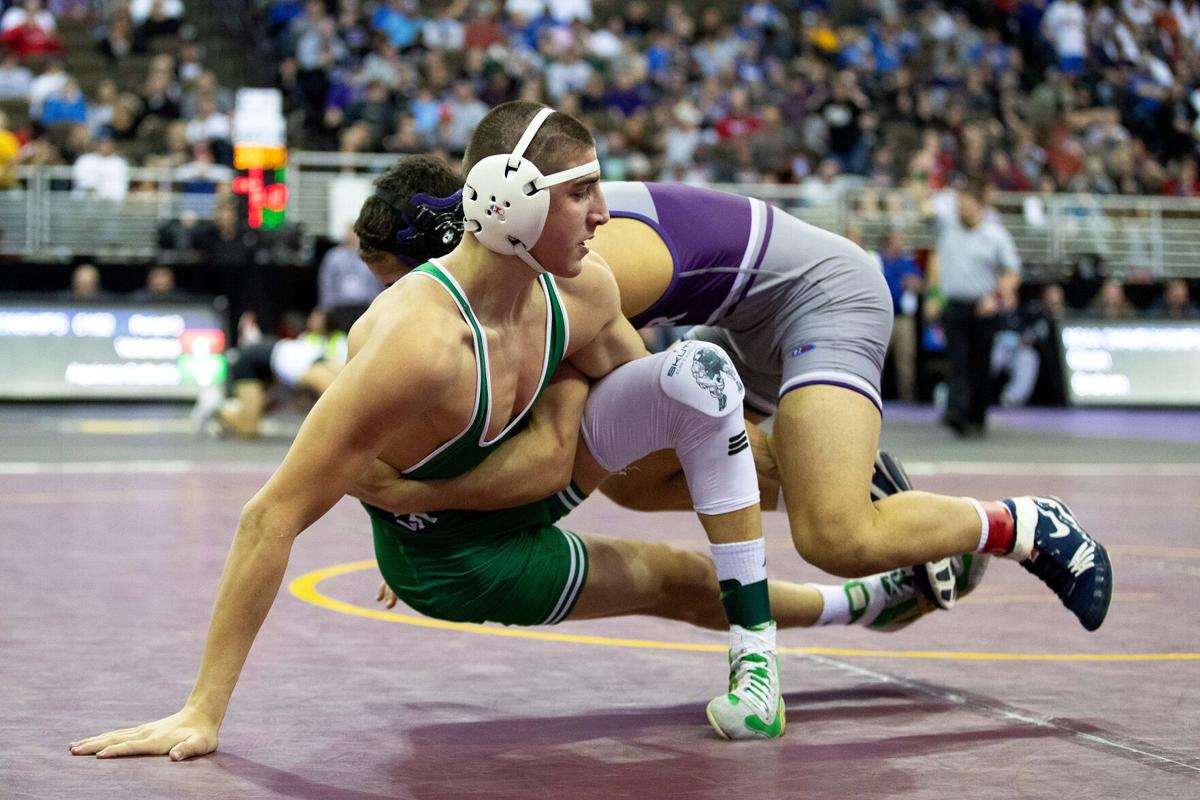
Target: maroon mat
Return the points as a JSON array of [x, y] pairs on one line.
[[108, 582]]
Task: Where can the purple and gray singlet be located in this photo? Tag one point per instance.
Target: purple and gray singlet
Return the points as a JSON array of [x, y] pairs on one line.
[[792, 304]]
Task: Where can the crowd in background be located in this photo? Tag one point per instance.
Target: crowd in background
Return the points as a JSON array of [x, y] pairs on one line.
[[1100, 96], [1097, 97]]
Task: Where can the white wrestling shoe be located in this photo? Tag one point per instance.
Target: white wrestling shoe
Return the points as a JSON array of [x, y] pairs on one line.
[[893, 600], [753, 707]]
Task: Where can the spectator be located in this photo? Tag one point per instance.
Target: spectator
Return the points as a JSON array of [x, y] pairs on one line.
[[1175, 302], [29, 30], [123, 124], [1065, 26], [822, 188], [230, 250], [115, 40], [906, 284], [200, 179], [153, 18], [206, 85], [405, 137], [159, 288], [445, 31], [78, 142], [64, 105], [1110, 302], [50, 80], [978, 273], [191, 62], [103, 173], [739, 120], [375, 110], [10, 148], [345, 285], [569, 74], [85, 284], [209, 125], [843, 115], [15, 79], [398, 21], [463, 112]]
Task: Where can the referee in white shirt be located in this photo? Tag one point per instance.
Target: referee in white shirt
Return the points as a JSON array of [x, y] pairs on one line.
[[978, 272]]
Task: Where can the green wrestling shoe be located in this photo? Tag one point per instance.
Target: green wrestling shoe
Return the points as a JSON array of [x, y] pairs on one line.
[[892, 600], [753, 707]]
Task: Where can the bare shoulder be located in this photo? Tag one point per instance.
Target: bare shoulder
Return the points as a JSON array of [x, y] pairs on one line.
[[411, 334], [592, 299], [594, 283]]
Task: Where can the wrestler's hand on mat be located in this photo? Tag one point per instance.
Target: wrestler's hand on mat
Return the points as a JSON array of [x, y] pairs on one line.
[[182, 735], [385, 595]]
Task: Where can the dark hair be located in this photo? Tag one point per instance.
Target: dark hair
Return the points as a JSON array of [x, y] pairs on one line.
[[560, 138], [378, 220]]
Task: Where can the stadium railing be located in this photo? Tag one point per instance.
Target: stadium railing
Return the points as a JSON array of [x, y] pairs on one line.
[[1159, 237]]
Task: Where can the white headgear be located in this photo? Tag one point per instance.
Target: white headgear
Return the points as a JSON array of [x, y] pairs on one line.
[[503, 200]]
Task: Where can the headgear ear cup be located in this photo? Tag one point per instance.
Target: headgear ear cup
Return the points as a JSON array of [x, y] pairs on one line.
[[504, 201], [427, 226]]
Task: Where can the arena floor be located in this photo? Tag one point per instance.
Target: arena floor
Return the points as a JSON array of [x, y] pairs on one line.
[[115, 521]]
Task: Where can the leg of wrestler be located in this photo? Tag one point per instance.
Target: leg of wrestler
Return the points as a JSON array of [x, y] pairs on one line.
[[825, 443], [636, 577], [318, 377], [242, 416], [657, 483]]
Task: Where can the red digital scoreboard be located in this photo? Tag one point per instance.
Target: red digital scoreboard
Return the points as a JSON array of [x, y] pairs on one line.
[[262, 179]]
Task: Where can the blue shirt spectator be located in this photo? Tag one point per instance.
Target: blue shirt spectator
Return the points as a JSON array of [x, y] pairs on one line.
[[395, 20], [65, 105], [898, 270]]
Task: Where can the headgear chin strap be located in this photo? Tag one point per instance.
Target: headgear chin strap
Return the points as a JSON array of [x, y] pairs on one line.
[[504, 202], [428, 226]]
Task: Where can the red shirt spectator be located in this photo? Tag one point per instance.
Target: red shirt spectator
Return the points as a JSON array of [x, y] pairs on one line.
[[29, 30], [740, 120]]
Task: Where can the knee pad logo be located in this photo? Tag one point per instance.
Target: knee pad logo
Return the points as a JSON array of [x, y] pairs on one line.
[[802, 349], [710, 369]]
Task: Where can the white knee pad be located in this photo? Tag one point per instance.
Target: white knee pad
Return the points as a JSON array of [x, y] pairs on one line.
[[687, 399]]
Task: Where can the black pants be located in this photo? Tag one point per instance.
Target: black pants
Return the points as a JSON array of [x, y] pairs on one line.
[[969, 351]]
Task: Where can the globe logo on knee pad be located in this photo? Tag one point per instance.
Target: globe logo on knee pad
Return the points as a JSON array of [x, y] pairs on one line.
[[709, 368]]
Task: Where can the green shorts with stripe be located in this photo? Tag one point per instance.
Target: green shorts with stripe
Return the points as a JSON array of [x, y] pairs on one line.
[[512, 566]]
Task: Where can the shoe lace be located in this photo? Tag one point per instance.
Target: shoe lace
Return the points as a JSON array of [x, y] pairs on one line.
[[897, 584], [1053, 574], [750, 679]]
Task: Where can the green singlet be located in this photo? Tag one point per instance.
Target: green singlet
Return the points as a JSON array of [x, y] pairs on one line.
[[511, 566]]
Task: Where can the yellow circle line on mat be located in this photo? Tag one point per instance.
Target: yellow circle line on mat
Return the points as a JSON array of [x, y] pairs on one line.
[[305, 588]]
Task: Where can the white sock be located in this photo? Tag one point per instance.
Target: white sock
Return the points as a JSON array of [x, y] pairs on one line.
[[983, 524], [744, 562], [836, 610]]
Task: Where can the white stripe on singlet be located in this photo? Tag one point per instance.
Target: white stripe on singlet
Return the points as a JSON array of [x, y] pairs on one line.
[[574, 582], [758, 214]]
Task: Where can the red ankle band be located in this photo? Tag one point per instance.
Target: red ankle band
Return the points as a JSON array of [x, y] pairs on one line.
[[1001, 534]]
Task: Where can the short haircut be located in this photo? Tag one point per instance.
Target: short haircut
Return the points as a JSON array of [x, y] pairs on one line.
[[560, 139], [408, 176]]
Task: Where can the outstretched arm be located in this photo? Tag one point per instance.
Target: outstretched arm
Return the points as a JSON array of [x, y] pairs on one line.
[[533, 464], [335, 444]]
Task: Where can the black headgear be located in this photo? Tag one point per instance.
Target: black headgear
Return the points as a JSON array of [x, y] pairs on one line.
[[427, 227]]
